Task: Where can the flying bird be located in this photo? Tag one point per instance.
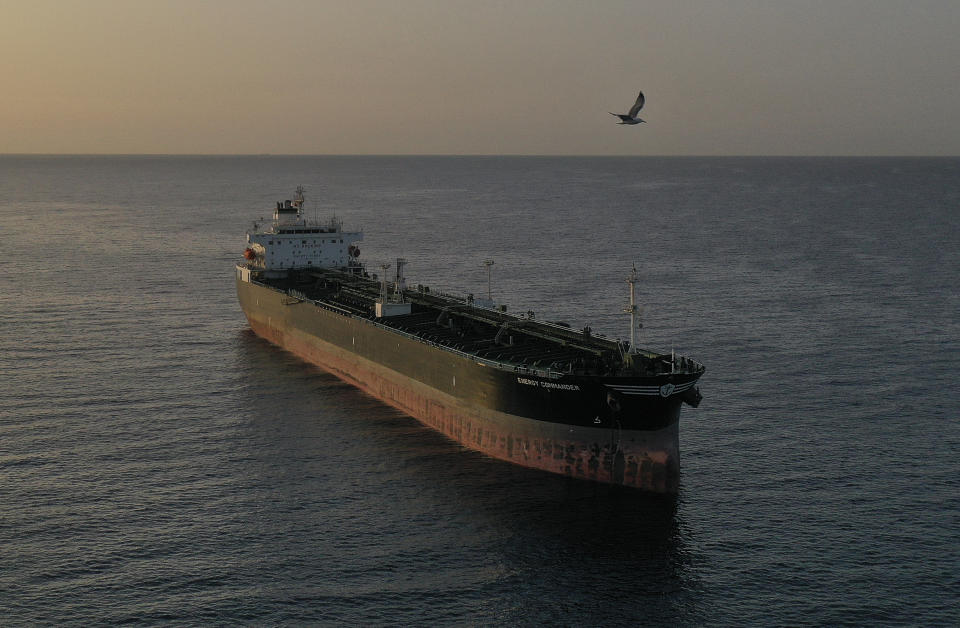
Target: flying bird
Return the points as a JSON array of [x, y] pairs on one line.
[[631, 117]]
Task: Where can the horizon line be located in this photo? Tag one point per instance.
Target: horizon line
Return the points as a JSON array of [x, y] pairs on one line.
[[494, 155]]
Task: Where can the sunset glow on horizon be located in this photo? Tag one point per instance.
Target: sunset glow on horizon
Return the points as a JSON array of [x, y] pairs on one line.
[[743, 77]]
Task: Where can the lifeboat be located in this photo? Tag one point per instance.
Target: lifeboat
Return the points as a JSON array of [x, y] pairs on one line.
[[249, 254]]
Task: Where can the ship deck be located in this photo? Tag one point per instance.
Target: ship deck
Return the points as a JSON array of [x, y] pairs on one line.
[[491, 335]]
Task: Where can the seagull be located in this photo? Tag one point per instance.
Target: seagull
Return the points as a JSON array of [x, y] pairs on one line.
[[631, 118]]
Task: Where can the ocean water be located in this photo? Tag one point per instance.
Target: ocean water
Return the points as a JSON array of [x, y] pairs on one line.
[[160, 464]]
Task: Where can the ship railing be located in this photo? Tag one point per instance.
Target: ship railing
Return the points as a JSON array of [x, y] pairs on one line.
[[449, 295], [496, 309], [302, 298], [333, 308]]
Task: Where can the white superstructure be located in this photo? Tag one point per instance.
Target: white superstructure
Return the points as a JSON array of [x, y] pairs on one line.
[[292, 241]]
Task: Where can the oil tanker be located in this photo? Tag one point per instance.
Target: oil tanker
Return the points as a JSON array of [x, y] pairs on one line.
[[535, 393]]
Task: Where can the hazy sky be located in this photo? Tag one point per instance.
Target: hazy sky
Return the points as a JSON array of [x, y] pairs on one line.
[[722, 77]]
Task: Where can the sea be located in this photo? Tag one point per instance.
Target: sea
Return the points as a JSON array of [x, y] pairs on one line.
[[162, 465]]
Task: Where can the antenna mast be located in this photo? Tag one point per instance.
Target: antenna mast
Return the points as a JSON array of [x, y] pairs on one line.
[[383, 283], [400, 283], [488, 263], [298, 200], [633, 310]]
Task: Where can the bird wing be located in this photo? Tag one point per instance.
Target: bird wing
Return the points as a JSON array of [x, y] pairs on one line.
[[637, 106]]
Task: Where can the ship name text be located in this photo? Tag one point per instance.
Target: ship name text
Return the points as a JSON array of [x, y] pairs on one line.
[[553, 385]]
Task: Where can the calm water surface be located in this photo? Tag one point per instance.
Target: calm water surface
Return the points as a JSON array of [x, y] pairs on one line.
[[161, 464]]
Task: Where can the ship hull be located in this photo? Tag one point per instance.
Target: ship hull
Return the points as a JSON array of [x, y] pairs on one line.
[[573, 426]]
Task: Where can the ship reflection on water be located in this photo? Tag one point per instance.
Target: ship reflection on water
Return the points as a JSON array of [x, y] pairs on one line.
[[615, 552]]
